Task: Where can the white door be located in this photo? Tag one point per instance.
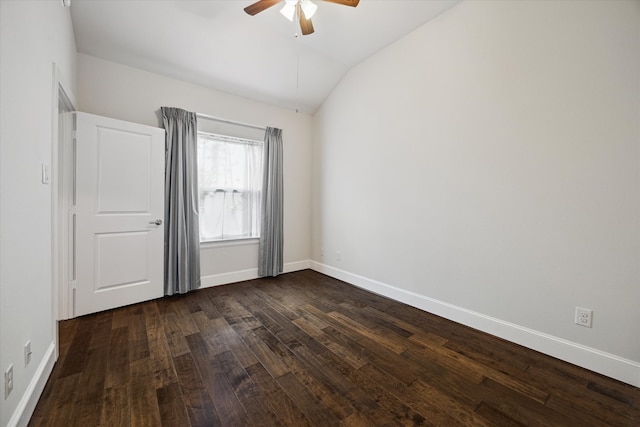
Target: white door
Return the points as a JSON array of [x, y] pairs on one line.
[[119, 231]]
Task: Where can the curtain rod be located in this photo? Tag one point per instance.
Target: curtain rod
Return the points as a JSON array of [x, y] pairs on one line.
[[217, 119]]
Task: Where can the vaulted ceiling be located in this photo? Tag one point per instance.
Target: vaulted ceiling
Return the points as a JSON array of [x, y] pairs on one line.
[[217, 45]]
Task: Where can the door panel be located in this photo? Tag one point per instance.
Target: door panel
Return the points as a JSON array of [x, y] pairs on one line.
[[123, 180], [120, 197], [112, 253]]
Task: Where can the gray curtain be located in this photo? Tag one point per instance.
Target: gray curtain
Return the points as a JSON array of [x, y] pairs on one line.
[[270, 260], [181, 231]]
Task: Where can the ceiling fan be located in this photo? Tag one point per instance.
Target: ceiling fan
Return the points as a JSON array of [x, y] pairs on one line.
[[304, 9]]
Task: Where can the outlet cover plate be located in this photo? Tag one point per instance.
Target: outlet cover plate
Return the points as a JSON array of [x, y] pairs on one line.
[[27, 353], [8, 381], [584, 317]]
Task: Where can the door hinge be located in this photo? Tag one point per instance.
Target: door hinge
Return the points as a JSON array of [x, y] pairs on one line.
[[73, 298]]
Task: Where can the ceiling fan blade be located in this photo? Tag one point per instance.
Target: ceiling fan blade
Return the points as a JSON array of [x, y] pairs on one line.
[[352, 3], [259, 6], [305, 24]]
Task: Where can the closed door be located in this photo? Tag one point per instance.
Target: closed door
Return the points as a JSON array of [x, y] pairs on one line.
[[119, 213]]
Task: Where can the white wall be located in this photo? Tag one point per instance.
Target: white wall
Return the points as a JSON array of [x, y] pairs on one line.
[[113, 90], [33, 35], [487, 167]]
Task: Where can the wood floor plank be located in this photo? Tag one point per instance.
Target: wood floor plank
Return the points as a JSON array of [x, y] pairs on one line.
[[120, 317], [175, 338], [235, 314], [183, 316], [358, 419], [360, 314], [257, 293], [380, 356], [271, 360], [198, 403], [320, 336], [344, 379], [101, 329], [496, 417], [151, 315], [208, 307], [173, 410], [118, 361], [246, 391], [509, 366], [517, 407], [449, 405], [469, 368], [78, 350], [62, 408], [211, 331], [91, 389], [279, 324], [399, 412], [303, 349], [397, 346], [581, 396], [138, 340], [160, 359], [234, 342], [145, 411], [431, 411], [307, 374], [116, 408], [283, 406], [306, 401]]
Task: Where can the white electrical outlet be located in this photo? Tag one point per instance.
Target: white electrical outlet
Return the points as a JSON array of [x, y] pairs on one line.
[[338, 256], [27, 353], [8, 381], [584, 316]]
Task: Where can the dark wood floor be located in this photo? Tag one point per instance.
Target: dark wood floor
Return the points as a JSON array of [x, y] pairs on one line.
[[307, 350]]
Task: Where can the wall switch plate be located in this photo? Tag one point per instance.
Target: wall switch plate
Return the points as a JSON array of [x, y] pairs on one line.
[[8, 381], [27, 353], [584, 316]]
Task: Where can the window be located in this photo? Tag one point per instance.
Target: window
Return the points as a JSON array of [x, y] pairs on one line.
[[230, 182]]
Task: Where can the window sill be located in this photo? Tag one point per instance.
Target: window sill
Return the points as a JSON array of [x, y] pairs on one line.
[[229, 242]]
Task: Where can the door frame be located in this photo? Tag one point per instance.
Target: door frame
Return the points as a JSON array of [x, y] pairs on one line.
[[62, 100]]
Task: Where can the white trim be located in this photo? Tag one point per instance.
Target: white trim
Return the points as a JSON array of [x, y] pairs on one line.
[[27, 404], [229, 138], [229, 242], [250, 274], [593, 359], [232, 122], [226, 278], [290, 267], [59, 211]]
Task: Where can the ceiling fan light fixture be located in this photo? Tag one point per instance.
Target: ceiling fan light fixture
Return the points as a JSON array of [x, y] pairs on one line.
[[289, 9], [308, 8], [301, 10]]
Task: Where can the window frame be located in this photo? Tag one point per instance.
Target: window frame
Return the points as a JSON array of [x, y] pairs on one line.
[[230, 241]]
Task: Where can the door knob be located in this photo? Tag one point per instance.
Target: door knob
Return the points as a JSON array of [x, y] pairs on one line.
[[156, 222]]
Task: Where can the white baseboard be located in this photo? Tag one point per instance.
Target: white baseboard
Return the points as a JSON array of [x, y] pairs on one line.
[[613, 366], [250, 274], [29, 400]]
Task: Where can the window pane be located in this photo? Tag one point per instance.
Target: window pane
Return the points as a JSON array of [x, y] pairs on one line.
[[230, 180]]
